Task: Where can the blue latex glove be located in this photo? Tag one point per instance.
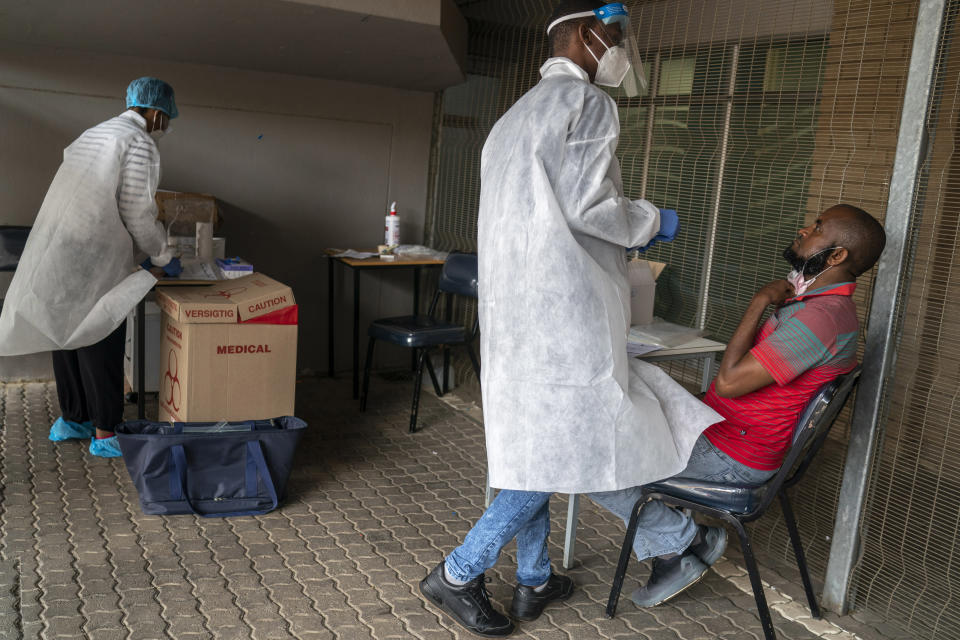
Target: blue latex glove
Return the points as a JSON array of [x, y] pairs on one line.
[[172, 268], [669, 226]]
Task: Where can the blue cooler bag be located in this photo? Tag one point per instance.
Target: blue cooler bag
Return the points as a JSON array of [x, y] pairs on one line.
[[210, 469]]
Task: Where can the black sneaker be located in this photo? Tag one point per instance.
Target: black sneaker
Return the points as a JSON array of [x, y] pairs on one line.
[[528, 603], [468, 605], [669, 578], [709, 544]]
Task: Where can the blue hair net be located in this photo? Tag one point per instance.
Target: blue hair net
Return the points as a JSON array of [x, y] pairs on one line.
[[152, 93]]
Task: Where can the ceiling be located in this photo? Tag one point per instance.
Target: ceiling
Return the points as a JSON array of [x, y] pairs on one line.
[[409, 44]]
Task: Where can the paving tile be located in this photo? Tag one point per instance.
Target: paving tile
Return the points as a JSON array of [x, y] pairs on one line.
[[371, 509]]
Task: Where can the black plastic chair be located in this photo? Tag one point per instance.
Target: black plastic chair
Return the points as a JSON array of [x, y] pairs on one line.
[[12, 241], [737, 504], [424, 332]]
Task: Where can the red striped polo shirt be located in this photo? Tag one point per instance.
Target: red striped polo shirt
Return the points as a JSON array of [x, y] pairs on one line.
[[805, 343]]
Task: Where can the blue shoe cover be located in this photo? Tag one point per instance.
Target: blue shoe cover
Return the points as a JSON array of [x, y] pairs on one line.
[[105, 447], [68, 430]]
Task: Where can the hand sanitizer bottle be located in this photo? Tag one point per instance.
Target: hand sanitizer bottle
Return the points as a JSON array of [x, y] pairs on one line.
[[391, 233]]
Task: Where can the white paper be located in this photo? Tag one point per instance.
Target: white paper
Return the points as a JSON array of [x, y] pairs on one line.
[[196, 269], [640, 349], [356, 255], [665, 334]]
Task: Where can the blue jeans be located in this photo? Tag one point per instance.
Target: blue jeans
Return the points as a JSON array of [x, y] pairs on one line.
[[663, 530], [521, 514]]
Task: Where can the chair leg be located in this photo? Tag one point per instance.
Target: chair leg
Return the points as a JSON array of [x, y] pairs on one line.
[[750, 560], [624, 560], [366, 374], [474, 361], [433, 377], [417, 382], [798, 552], [570, 535]]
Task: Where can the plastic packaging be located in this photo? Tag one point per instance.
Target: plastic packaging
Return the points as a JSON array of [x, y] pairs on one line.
[[391, 231], [204, 240], [220, 427], [664, 334], [231, 268], [418, 251]]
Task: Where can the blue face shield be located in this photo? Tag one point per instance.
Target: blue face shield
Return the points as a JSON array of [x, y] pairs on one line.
[[615, 13]]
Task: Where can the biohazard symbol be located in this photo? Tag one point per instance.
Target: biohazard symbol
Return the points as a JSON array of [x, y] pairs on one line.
[[226, 293], [173, 376]]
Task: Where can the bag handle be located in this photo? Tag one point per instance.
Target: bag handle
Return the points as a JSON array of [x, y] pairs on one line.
[[178, 427], [254, 451]]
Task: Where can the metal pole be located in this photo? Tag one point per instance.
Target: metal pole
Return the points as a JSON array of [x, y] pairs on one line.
[[718, 189], [141, 336], [651, 121], [356, 332], [331, 261], [879, 354]]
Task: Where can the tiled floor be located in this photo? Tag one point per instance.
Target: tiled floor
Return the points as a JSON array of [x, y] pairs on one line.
[[370, 510]]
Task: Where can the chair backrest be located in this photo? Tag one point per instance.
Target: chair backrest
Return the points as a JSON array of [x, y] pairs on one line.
[[459, 275], [12, 241], [811, 431]]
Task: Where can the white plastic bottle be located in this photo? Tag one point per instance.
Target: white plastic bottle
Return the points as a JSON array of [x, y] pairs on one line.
[[391, 232]]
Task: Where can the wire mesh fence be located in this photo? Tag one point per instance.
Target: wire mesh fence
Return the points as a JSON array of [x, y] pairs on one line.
[[909, 567], [758, 116]]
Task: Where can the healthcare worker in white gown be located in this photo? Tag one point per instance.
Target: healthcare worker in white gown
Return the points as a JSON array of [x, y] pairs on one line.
[[564, 408], [78, 277]]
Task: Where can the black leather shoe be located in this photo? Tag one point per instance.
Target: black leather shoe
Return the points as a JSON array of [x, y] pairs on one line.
[[468, 605], [528, 603]]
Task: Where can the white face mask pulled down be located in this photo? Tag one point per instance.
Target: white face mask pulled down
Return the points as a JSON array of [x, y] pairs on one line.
[[795, 277], [612, 67]]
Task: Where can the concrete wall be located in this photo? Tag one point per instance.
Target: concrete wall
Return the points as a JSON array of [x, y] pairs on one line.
[[299, 164]]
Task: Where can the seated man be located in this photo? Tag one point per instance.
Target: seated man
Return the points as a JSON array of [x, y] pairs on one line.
[[766, 378]]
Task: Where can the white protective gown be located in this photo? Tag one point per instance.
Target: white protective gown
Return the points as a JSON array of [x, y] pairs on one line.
[[564, 407], [78, 278]]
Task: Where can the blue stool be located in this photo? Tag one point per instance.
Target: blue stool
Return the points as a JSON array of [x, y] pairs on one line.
[[424, 332]]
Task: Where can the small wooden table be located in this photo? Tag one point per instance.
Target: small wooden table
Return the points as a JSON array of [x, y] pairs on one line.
[[359, 265]]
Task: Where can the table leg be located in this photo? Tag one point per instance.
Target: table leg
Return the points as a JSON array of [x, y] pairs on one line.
[[448, 316], [707, 373], [570, 535], [416, 310], [140, 334], [330, 354], [356, 333]]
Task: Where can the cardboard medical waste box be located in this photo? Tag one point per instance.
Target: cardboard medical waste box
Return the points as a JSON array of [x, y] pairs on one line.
[[228, 350], [181, 211], [643, 275]]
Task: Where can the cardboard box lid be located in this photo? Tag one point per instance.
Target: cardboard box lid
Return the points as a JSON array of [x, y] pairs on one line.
[[231, 301], [181, 211], [656, 268]]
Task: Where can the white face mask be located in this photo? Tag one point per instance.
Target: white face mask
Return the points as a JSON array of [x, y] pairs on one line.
[[157, 132], [612, 67], [795, 277]]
